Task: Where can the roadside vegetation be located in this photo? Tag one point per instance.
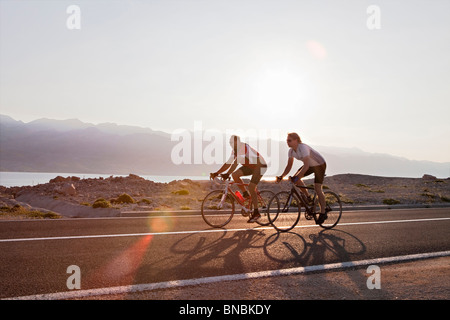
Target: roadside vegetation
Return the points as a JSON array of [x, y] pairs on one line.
[[22, 212]]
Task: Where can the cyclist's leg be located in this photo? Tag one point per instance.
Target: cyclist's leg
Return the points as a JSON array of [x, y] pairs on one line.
[[301, 183], [319, 175], [237, 178], [252, 191], [256, 177], [320, 196], [258, 172]]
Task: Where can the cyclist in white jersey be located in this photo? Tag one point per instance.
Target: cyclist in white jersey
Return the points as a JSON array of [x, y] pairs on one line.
[[313, 162], [252, 163]]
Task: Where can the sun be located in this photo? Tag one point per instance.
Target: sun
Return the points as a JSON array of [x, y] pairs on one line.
[[278, 91]]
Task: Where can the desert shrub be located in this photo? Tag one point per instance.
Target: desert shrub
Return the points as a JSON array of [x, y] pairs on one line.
[[390, 201], [185, 208], [428, 195], [445, 199], [101, 203], [145, 201], [345, 199], [181, 192], [18, 210], [125, 198]]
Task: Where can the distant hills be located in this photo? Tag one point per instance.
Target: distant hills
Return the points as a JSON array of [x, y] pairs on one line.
[[72, 146]]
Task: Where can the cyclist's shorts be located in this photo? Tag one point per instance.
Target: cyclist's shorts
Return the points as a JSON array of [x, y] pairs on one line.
[[319, 172], [256, 172]]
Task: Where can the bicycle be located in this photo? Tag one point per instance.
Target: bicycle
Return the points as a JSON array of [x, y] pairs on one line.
[[285, 208], [218, 207]]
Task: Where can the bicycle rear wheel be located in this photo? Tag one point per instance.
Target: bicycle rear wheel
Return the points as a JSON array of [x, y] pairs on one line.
[[334, 208], [217, 209], [284, 211]]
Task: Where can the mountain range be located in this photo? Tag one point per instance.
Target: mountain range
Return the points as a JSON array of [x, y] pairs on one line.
[[73, 146]]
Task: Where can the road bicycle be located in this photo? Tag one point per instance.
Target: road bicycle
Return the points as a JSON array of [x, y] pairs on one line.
[[285, 208], [218, 207]]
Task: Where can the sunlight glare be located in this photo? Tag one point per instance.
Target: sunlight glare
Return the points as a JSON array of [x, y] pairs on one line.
[[279, 88]]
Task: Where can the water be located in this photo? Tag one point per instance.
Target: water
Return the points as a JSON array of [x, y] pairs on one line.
[[20, 179]]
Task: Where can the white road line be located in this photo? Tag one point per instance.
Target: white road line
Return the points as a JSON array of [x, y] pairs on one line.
[[208, 231], [234, 277]]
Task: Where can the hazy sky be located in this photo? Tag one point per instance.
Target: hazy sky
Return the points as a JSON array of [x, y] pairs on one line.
[[313, 67]]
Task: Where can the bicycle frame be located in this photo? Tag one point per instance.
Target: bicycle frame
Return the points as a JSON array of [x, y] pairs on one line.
[[310, 210], [227, 190], [287, 214]]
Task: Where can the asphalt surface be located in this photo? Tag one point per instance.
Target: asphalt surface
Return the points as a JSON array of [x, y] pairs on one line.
[[113, 252]]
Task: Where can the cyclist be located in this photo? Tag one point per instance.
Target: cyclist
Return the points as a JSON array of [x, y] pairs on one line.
[[252, 163], [313, 162]]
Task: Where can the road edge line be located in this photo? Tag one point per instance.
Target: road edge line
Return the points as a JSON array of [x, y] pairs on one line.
[[242, 276]]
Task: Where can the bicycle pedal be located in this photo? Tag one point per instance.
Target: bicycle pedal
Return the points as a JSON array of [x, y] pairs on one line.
[[244, 212]]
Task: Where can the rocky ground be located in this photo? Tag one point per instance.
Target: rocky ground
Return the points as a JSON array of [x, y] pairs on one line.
[[354, 189]]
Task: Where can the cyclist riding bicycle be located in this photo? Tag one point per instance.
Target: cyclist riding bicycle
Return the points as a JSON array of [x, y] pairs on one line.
[[313, 162], [252, 163]]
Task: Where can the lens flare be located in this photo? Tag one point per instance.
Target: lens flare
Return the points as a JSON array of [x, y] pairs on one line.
[[316, 49], [160, 224], [122, 269]]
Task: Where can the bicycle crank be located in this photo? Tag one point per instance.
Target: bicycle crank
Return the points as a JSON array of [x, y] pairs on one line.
[[245, 212]]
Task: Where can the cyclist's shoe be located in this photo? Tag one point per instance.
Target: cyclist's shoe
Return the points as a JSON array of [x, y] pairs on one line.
[[322, 218], [309, 216], [245, 212], [255, 216]]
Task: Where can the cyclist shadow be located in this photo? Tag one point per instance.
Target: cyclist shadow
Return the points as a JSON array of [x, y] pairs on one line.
[[201, 254], [291, 250]]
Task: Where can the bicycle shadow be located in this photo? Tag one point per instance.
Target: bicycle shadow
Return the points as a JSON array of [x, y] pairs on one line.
[[205, 255], [224, 252], [292, 250]]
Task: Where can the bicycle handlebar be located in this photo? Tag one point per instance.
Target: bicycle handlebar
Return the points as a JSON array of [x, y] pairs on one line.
[[292, 179], [223, 178]]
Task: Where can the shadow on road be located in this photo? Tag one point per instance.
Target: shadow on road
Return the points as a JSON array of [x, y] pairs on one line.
[[224, 252], [291, 249]]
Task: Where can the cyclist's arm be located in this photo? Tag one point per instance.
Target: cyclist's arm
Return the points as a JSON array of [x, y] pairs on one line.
[[227, 165], [233, 167], [288, 167], [223, 168]]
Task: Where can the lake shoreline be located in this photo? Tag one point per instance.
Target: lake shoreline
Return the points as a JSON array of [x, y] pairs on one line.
[[75, 197]]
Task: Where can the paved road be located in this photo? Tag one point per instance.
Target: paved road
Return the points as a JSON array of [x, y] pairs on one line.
[[114, 252]]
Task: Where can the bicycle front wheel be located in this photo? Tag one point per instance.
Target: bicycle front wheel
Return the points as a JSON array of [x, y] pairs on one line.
[[217, 208], [334, 209], [263, 206], [284, 211]]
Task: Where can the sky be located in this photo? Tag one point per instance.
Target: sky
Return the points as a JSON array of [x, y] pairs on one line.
[[339, 73]]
